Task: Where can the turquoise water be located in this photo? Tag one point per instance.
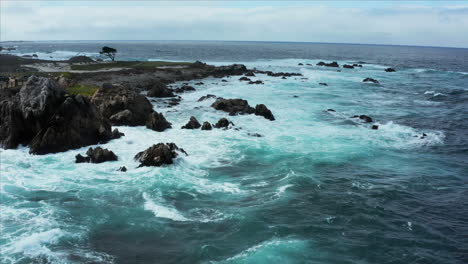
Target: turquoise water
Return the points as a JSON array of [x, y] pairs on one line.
[[318, 187]]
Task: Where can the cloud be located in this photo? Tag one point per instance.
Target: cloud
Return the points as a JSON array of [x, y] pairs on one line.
[[406, 25]]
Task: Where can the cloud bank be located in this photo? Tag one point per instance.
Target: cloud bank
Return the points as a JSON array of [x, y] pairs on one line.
[[401, 25]]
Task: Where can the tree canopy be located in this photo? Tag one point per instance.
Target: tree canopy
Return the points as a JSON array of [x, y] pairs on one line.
[[109, 52]]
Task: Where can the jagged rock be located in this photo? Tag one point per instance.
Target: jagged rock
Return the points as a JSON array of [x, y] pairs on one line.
[[117, 134], [262, 110], [223, 123], [160, 90], [244, 79], [206, 126], [122, 169], [157, 122], [233, 106], [370, 80], [111, 100], [13, 129], [234, 69], [331, 64], [158, 155], [96, 155], [121, 118], [192, 124], [206, 97], [347, 66], [75, 124], [390, 70]]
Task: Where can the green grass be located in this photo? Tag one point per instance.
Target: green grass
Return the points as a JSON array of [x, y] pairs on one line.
[[143, 65], [86, 90]]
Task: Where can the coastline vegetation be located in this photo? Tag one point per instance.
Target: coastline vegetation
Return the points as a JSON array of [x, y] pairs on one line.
[[82, 89], [141, 65]]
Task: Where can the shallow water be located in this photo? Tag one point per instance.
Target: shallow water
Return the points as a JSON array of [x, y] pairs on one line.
[[318, 187]]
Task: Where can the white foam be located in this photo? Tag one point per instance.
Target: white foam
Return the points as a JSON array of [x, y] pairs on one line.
[[35, 244], [162, 211]]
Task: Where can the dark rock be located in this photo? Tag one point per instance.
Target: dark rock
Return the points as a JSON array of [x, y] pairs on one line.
[[234, 69], [254, 134], [233, 106], [262, 110], [157, 122], [206, 126], [370, 80], [199, 83], [111, 100], [158, 155], [324, 84], [284, 78], [75, 124], [96, 155], [250, 74], [206, 97], [160, 90], [331, 110], [357, 65], [244, 79], [223, 123], [364, 118], [347, 66], [184, 89], [375, 127], [255, 82], [117, 134], [224, 80], [300, 64], [390, 70], [192, 124], [331, 64], [295, 96], [122, 169]]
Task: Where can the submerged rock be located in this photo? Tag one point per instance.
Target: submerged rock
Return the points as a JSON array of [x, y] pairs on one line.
[[122, 169], [192, 124], [96, 155], [375, 127], [370, 80], [157, 122], [206, 97], [250, 74], [390, 70], [206, 126], [244, 79], [364, 118], [324, 84], [255, 82], [347, 66], [184, 89], [331, 64], [158, 155]]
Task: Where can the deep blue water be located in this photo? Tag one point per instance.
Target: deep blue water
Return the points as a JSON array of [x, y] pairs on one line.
[[318, 187]]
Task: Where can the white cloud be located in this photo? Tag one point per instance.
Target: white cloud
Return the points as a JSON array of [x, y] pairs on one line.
[[409, 25]]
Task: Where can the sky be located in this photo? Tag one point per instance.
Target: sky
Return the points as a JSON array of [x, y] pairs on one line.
[[422, 23]]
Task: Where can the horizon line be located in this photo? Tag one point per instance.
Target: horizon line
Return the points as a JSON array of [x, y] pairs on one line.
[[260, 41]]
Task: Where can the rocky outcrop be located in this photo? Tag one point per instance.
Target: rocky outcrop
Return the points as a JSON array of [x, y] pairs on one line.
[[206, 126], [233, 106], [96, 155], [256, 82], [160, 90], [347, 66], [192, 124], [390, 70], [364, 118], [370, 80], [75, 124], [240, 106], [122, 169], [157, 122], [223, 123], [42, 116], [158, 155], [279, 74], [234, 69], [111, 100], [331, 64], [262, 110], [244, 79], [250, 74]]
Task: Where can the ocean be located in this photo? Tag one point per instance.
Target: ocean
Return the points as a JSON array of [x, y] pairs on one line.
[[317, 187]]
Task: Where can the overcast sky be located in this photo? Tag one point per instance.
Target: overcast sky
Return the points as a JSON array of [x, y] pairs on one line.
[[425, 23]]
